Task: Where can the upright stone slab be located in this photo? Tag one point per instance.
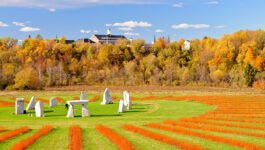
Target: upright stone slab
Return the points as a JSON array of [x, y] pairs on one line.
[[129, 107], [70, 112], [107, 99], [53, 102], [19, 106], [85, 111], [83, 96], [31, 104], [39, 109], [121, 107], [126, 97]]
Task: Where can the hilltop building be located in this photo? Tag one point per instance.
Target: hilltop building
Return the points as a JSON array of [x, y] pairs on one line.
[[106, 39], [186, 45]]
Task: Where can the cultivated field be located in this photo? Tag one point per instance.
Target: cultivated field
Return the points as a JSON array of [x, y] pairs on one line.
[[160, 120]]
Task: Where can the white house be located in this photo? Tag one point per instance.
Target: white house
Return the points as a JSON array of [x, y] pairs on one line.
[[186, 45]]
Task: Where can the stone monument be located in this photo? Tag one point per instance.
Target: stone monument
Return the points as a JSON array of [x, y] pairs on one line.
[[19, 106], [83, 96], [121, 107], [106, 97], [53, 102], [39, 109], [85, 111], [31, 104]]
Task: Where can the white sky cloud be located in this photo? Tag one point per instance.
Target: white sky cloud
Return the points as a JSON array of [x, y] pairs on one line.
[[3, 24], [178, 4], [132, 24], [159, 31], [107, 25], [125, 29], [85, 31], [55, 4], [95, 31], [220, 27], [186, 26], [18, 24], [29, 29], [52, 10], [212, 3], [131, 34]]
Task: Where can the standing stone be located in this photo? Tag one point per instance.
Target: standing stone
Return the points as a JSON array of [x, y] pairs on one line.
[[129, 107], [106, 97], [83, 96], [31, 104], [70, 111], [53, 102], [121, 107], [19, 106], [85, 111], [126, 97], [39, 109]]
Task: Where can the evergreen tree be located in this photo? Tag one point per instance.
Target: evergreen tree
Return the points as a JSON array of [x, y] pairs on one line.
[[249, 74]]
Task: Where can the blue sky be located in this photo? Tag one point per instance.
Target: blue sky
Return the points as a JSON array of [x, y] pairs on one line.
[[76, 19]]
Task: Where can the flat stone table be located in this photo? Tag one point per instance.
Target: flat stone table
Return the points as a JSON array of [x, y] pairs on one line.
[[85, 111]]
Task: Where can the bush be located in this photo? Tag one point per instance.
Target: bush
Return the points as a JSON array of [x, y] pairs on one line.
[[27, 79], [259, 85]]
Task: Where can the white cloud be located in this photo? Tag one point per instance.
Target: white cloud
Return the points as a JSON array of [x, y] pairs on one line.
[[159, 31], [72, 3], [220, 27], [131, 34], [107, 25], [133, 24], [95, 31], [52, 10], [85, 31], [29, 29], [212, 3], [18, 24], [186, 26], [3, 24], [178, 4], [125, 29]]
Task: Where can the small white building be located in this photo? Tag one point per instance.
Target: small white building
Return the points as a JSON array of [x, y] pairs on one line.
[[186, 45]]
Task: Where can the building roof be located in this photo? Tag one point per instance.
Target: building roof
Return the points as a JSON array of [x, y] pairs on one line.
[[109, 37]]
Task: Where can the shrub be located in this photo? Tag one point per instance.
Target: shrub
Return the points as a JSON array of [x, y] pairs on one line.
[[259, 85]]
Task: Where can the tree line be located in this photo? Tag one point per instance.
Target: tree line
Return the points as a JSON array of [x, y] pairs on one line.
[[236, 60]]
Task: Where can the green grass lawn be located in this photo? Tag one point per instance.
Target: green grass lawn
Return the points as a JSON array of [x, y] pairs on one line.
[[142, 112]]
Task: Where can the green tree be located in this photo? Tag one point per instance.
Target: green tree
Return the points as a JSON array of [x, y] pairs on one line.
[[249, 74]]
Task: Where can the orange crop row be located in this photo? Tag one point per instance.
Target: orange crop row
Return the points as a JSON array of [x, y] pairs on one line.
[[215, 129], [13, 133], [25, 101], [162, 138], [59, 99], [214, 138], [120, 141], [76, 98], [43, 100], [30, 140], [94, 98], [223, 124], [75, 138], [230, 119], [6, 104], [2, 129]]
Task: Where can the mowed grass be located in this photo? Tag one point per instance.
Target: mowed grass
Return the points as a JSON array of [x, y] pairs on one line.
[[143, 112]]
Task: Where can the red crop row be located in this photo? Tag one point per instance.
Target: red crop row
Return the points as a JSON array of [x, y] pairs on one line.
[[214, 138], [223, 124], [6, 104], [2, 129], [13, 133], [76, 98], [43, 100], [94, 98], [230, 119], [25, 101], [215, 129], [59, 99], [121, 142], [30, 140], [75, 138], [162, 138]]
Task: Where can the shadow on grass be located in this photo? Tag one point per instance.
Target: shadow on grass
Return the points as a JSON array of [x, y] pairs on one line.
[[105, 115], [134, 111]]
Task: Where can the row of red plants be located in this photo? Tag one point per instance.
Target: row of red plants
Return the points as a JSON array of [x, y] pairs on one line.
[[229, 119], [2, 129], [223, 124], [229, 141], [6, 104], [162, 138], [25, 101], [76, 98], [94, 98], [43, 100], [75, 138], [13, 133], [30, 140], [210, 128], [120, 141], [59, 99]]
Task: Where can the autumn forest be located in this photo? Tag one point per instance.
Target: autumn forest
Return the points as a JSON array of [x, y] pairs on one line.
[[236, 60]]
